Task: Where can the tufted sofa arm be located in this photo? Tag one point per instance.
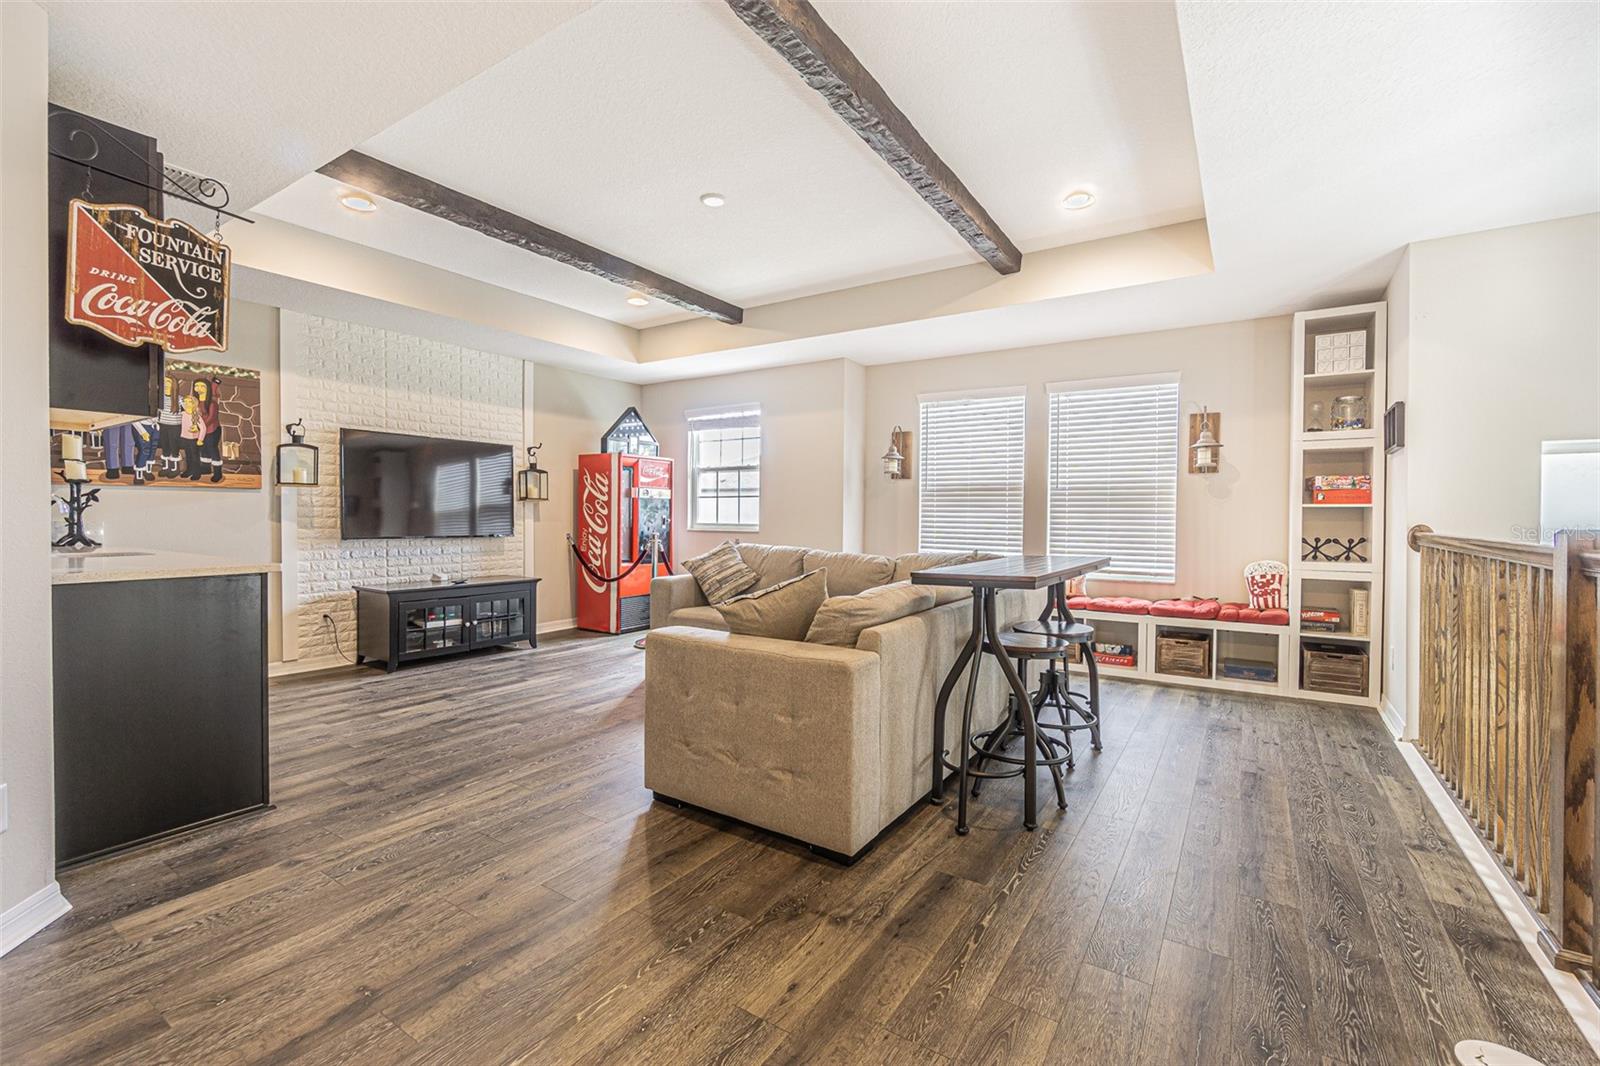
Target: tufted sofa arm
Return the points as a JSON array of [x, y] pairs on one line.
[[778, 733]]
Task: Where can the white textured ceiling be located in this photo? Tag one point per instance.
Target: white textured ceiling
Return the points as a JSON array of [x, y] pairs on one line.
[[1029, 101], [610, 127], [1330, 136], [1326, 137], [260, 93]]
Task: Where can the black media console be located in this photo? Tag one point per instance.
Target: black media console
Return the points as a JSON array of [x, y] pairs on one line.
[[407, 622]]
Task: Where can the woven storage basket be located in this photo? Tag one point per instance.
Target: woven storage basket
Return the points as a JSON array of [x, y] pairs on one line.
[[1185, 653], [1337, 668]]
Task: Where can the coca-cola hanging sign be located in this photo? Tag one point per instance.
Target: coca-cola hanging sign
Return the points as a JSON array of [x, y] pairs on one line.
[[140, 280]]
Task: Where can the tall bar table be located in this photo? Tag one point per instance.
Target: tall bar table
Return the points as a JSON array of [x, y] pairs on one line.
[[986, 579]]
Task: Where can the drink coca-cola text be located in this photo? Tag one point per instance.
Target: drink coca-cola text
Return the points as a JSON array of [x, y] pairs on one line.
[[594, 530], [106, 300]]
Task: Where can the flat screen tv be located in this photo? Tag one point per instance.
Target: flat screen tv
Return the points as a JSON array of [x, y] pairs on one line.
[[394, 485]]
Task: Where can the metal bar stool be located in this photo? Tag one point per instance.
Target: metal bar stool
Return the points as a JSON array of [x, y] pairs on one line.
[[989, 746], [1056, 621], [1024, 645]]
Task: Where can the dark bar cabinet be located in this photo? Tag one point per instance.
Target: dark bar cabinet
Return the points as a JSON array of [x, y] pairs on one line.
[[160, 708]]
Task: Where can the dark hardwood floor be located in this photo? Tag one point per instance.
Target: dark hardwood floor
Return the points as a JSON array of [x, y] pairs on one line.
[[464, 867]]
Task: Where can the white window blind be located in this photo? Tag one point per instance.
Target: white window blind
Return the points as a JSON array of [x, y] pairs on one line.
[[1113, 477], [969, 472], [725, 474]]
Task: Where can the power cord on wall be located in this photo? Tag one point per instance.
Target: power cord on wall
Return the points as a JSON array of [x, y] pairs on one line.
[[328, 618]]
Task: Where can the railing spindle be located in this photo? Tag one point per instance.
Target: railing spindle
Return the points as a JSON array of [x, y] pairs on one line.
[[1506, 678]]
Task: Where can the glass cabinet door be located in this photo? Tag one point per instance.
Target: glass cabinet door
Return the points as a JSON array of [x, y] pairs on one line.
[[434, 627], [500, 617]]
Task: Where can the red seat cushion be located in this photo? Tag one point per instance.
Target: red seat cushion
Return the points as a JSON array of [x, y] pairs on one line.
[[1111, 604], [1239, 612], [1202, 609]]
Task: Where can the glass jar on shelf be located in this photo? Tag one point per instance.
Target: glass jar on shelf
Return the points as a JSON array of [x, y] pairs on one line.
[[1318, 421], [1350, 412]]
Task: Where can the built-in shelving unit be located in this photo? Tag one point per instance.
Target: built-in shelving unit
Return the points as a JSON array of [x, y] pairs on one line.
[[1245, 641], [1319, 447], [1313, 583]]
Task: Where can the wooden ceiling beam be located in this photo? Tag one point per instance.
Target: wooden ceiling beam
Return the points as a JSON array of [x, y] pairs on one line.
[[414, 191], [796, 32]]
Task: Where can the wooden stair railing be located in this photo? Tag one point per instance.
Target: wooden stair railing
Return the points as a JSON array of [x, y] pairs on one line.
[[1507, 656]]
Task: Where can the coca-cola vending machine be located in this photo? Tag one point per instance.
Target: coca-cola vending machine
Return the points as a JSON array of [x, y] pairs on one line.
[[624, 513]]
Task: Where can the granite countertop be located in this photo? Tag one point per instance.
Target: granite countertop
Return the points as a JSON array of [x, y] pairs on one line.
[[138, 564]]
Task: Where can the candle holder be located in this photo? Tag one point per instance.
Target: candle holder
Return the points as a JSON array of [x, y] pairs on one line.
[[75, 503]]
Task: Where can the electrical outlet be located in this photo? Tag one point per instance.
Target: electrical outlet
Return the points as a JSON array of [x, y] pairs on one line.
[[5, 810]]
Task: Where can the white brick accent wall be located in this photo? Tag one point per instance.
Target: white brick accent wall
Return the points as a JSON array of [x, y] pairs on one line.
[[338, 374]]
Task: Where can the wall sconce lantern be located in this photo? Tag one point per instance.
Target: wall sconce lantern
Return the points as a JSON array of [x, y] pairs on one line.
[[533, 483], [895, 463], [297, 461], [1205, 450]]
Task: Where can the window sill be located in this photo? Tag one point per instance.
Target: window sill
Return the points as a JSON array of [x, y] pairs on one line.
[[723, 529], [1105, 575]]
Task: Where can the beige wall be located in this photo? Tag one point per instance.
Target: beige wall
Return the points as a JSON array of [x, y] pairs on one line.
[[807, 490], [1225, 520], [825, 425], [27, 848], [240, 524], [569, 413], [1502, 352]]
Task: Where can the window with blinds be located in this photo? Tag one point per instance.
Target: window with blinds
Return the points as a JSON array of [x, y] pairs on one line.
[[725, 468], [1113, 478], [969, 472]]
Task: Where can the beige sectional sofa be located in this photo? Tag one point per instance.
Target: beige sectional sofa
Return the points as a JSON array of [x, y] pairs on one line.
[[826, 744]]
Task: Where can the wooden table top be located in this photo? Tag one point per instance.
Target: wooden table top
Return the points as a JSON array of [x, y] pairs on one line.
[[1013, 571]]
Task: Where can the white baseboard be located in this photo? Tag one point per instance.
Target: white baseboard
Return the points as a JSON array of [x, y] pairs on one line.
[[291, 667], [32, 915], [559, 626], [1392, 718], [1505, 895]]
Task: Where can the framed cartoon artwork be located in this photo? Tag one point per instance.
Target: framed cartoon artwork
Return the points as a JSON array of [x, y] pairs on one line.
[[206, 435]]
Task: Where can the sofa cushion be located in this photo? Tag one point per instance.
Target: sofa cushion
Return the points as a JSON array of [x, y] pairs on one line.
[[841, 619], [783, 611], [773, 562], [701, 617], [849, 572], [721, 572], [905, 565]]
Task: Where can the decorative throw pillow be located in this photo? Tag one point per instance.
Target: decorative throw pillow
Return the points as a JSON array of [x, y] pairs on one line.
[[841, 619], [908, 564], [783, 611], [851, 572], [1267, 582], [721, 573]]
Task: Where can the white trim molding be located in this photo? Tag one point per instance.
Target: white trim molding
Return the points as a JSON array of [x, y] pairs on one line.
[[972, 394], [1124, 381], [1392, 718], [32, 915]]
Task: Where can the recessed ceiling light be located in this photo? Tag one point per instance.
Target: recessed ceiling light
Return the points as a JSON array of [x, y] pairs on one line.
[[713, 199], [638, 301], [358, 201], [1077, 200]]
